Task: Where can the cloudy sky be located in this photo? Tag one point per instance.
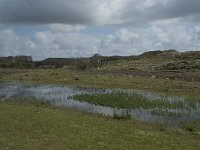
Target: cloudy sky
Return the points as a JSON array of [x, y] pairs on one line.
[[81, 28]]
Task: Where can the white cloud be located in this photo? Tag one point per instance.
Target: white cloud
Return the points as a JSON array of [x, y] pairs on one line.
[[7, 37], [63, 44], [9, 42], [73, 41], [29, 45], [138, 40]]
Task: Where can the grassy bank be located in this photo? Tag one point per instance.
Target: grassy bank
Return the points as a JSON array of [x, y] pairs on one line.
[[34, 126], [68, 77]]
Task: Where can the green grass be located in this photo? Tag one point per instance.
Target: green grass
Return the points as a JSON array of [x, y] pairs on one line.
[[191, 125], [29, 126], [125, 100], [190, 90], [30, 101]]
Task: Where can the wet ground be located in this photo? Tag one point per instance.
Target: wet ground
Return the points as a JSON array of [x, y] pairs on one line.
[[59, 96]]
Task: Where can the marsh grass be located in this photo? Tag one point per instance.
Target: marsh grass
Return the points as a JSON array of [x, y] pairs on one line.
[[126, 100]]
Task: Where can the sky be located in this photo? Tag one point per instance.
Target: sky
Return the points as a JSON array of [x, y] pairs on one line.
[[81, 28]]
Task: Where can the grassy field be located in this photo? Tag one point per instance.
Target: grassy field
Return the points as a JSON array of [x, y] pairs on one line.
[[40, 126], [68, 77], [37, 125]]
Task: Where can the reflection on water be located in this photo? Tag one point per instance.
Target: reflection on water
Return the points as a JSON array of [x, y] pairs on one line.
[[58, 96]]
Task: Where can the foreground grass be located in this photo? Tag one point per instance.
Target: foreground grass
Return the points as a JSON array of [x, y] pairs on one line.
[[33, 126], [125, 100], [192, 125]]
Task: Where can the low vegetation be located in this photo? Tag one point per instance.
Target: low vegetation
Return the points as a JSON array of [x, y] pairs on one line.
[[124, 100], [188, 89], [33, 126], [168, 60], [193, 126]]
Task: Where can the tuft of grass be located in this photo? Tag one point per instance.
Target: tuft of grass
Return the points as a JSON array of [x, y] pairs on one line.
[[192, 126], [125, 100]]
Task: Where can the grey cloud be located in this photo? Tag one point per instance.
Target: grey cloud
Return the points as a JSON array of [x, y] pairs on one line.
[[46, 11], [96, 11], [161, 10], [178, 9]]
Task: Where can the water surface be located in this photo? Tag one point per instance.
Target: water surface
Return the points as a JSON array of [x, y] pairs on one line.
[[59, 96]]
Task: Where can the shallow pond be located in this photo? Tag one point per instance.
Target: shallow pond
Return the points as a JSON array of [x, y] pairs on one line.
[[59, 96]]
